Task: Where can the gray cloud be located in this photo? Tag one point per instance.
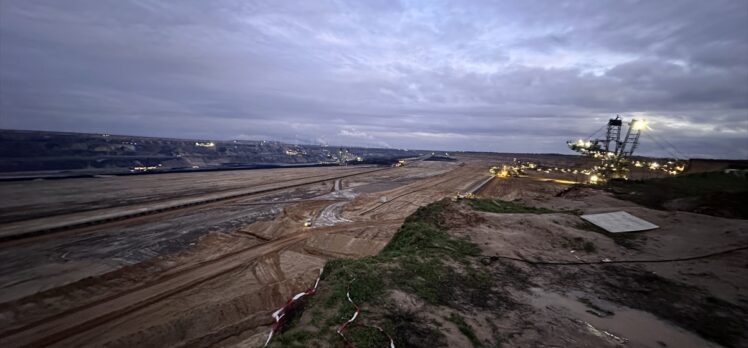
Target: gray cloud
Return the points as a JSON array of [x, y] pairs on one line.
[[495, 76]]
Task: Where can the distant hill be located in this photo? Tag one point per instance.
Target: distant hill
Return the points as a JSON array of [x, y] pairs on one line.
[[81, 153]]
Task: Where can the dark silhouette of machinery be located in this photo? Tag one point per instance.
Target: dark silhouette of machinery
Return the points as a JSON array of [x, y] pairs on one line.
[[613, 153]]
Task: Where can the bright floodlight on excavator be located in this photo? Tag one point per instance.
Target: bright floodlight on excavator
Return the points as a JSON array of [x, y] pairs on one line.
[[612, 151], [638, 125]]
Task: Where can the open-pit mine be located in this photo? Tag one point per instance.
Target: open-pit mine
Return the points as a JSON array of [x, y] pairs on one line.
[[431, 251], [192, 258]]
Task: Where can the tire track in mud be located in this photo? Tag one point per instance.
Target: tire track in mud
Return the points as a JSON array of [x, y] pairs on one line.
[[418, 188], [330, 215], [325, 244], [72, 322]]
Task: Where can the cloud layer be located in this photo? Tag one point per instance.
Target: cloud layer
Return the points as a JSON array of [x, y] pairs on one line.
[[513, 76]]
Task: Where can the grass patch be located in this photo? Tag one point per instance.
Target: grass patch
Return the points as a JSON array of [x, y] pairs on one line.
[[409, 331], [465, 329], [589, 247], [491, 205], [424, 279], [366, 337], [714, 193], [419, 238], [298, 338], [684, 185], [422, 260]]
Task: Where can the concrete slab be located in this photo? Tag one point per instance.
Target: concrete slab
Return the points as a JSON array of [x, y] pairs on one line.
[[619, 222]]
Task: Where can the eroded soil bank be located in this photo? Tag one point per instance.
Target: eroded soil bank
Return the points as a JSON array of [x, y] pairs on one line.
[[528, 271]]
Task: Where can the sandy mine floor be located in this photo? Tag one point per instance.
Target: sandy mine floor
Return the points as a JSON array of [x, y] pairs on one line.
[[204, 275]]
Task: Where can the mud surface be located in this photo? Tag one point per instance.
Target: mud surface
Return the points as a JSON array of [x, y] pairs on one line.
[[692, 303]]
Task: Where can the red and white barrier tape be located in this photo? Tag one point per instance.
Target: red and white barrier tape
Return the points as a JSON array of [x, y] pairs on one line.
[[281, 312], [353, 318], [355, 314]]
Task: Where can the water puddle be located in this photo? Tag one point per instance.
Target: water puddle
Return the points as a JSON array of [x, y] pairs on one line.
[[617, 324]]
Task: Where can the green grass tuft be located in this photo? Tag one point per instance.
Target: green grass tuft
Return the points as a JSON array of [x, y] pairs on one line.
[[491, 205], [298, 338], [589, 247], [684, 185], [422, 259], [465, 329], [366, 337], [714, 193]]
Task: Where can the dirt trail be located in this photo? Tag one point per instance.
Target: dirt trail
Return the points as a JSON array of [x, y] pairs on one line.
[[446, 183]]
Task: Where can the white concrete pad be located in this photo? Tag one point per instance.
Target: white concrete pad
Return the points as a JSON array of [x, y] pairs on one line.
[[619, 222]]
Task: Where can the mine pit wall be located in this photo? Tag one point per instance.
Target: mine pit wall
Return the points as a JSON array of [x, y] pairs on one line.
[[40, 151]]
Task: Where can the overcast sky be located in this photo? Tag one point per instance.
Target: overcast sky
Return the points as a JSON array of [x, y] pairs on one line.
[[508, 76]]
